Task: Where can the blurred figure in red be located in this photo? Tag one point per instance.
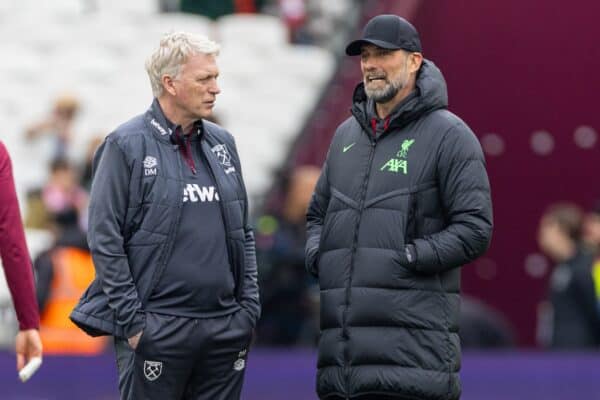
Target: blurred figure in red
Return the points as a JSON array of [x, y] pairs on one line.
[[17, 266], [294, 14], [574, 316], [60, 193]]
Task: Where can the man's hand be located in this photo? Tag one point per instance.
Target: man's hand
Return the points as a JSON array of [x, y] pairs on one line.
[[28, 345], [135, 340]]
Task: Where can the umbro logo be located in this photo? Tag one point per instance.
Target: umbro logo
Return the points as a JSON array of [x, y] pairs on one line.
[[150, 164], [193, 193]]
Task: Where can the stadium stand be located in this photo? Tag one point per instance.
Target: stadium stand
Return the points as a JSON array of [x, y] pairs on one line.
[[96, 50]]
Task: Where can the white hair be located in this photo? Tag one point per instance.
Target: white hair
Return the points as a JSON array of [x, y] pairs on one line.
[[172, 53]]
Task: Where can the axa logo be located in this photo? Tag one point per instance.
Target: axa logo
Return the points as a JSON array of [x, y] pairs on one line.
[[224, 157], [193, 193], [159, 127], [399, 163], [150, 164]]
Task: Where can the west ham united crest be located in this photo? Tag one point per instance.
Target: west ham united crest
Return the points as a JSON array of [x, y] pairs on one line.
[[224, 157], [152, 370]]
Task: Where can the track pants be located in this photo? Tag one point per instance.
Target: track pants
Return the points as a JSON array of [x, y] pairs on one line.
[[185, 358]]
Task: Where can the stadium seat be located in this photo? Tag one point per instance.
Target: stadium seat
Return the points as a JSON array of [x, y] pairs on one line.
[[260, 31]]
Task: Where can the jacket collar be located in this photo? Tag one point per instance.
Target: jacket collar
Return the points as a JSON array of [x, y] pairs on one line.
[[162, 128], [430, 94]]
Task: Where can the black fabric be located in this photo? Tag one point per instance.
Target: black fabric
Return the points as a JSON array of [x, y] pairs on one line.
[[135, 209], [389, 325], [388, 32], [198, 280], [191, 359], [68, 236], [576, 315]]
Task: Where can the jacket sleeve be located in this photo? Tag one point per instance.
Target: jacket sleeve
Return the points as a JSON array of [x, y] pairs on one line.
[[108, 206], [250, 300], [465, 196], [13, 249], [315, 217]]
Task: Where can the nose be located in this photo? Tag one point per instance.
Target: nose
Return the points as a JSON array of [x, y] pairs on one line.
[[214, 88], [367, 63]]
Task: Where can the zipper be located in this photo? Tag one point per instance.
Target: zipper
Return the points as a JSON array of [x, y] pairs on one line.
[[236, 276], [352, 257], [167, 252]]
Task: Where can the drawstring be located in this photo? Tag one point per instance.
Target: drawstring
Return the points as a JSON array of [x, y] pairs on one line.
[[386, 124]]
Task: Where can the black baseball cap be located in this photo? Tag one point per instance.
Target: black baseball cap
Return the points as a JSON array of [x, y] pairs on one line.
[[388, 32]]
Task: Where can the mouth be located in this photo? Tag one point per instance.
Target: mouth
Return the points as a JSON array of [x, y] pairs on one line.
[[375, 78]]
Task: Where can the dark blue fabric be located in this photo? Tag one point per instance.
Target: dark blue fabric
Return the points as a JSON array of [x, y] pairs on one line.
[[197, 281], [135, 210]]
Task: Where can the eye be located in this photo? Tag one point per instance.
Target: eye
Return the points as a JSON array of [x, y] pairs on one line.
[[205, 79]]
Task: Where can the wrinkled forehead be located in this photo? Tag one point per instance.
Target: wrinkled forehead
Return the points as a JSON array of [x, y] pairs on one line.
[[200, 62]]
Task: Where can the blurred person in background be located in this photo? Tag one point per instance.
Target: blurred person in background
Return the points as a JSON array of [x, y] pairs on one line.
[[217, 8], [17, 266], [58, 126], [483, 327], [591, 229], [294, 14], [288, 316], [591, 238], [176, 281], [403, 201], [61, 192], [63, 272], [573, 314], [86, 171]]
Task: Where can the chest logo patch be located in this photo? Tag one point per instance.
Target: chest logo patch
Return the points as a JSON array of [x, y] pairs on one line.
[[224, 157], [399, 162], [150, 164], [152, 369]]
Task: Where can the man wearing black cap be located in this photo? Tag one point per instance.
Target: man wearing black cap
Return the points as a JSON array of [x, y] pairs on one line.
[[402, 202]]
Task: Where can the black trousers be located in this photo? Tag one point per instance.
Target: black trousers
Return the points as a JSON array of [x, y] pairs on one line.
[[185, 358]]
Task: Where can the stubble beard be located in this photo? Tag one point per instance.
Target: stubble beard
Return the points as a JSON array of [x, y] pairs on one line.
[[386, 93]]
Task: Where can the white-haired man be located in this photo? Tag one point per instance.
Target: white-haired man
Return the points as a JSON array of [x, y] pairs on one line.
[[175, 261]]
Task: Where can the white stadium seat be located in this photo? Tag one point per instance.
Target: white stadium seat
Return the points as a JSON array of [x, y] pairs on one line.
[[96, 49]]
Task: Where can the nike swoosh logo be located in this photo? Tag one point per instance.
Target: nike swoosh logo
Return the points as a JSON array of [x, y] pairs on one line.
[[346, 148]]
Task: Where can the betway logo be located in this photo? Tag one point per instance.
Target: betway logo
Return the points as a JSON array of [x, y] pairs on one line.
[[194, 193], [158, 127]]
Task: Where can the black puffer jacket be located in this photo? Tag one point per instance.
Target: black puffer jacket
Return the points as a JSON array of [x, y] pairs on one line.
[[389, 322]]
